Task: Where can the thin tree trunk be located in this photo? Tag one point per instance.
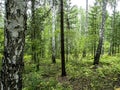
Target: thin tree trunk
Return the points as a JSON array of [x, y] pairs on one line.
[[62, 41], [33, 33], [99, 48], [53, 32], [118, 48], [14, 34], [110, 49], [67, 40], [86, 28], [94, 48], [113, 28], [68, 28]]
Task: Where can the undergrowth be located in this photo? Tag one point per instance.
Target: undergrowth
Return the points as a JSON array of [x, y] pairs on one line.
[[81, 74]]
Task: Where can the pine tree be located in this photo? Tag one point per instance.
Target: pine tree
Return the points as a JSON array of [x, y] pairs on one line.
[[62, 40]]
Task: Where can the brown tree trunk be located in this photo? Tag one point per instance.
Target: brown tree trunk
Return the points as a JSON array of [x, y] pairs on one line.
[[33, 33], [62, 41], [14, 37]]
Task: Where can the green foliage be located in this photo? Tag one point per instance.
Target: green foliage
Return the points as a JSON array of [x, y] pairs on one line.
[[81, 74], [1, 46], [103, 78], [1, 40], [1, 60], [94, 27], [45, 79]]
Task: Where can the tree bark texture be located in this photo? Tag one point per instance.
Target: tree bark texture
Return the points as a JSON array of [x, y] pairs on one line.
[[14, 40]]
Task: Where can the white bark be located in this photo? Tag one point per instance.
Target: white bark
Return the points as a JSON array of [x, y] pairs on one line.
[[53, 29], [11, 73]]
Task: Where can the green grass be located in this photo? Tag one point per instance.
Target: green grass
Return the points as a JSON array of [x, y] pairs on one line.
[[81, 75]]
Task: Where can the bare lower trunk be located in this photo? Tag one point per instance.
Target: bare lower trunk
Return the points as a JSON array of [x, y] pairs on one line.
[[62, 41], [94, 48], [53, 32], [12, 63], [98, 52], [99, 48]]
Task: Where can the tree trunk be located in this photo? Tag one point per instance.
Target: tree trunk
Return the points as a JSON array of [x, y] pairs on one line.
[[86, 28], [53, 32], [99, 48], [68, 28], [110, 49], [14, 34], [33, 33], [114, 28], [62, 41]]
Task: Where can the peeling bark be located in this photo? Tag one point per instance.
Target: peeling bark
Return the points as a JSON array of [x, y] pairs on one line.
[[14, 34]]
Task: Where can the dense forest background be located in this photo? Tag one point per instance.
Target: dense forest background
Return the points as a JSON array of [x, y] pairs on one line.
[[66, 47]]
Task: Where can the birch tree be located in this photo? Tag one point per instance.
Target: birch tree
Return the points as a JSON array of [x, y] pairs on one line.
[[101, 34], [14, 36], [53, 31]]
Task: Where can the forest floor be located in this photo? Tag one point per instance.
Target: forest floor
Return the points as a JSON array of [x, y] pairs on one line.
[[81, 75]]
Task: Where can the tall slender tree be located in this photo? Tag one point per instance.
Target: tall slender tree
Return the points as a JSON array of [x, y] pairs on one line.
[[86, 27], [113, 29], [101, 34], [33, 32], [68, 28], [62, 40], [53, 31], [94, 23], [14, 34]]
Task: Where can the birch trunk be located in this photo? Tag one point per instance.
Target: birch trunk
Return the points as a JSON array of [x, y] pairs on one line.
[[53, 31], [101, 36], [14, 37]]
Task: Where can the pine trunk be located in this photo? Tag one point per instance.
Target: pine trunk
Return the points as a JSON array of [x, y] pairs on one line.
[[62, 42]]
